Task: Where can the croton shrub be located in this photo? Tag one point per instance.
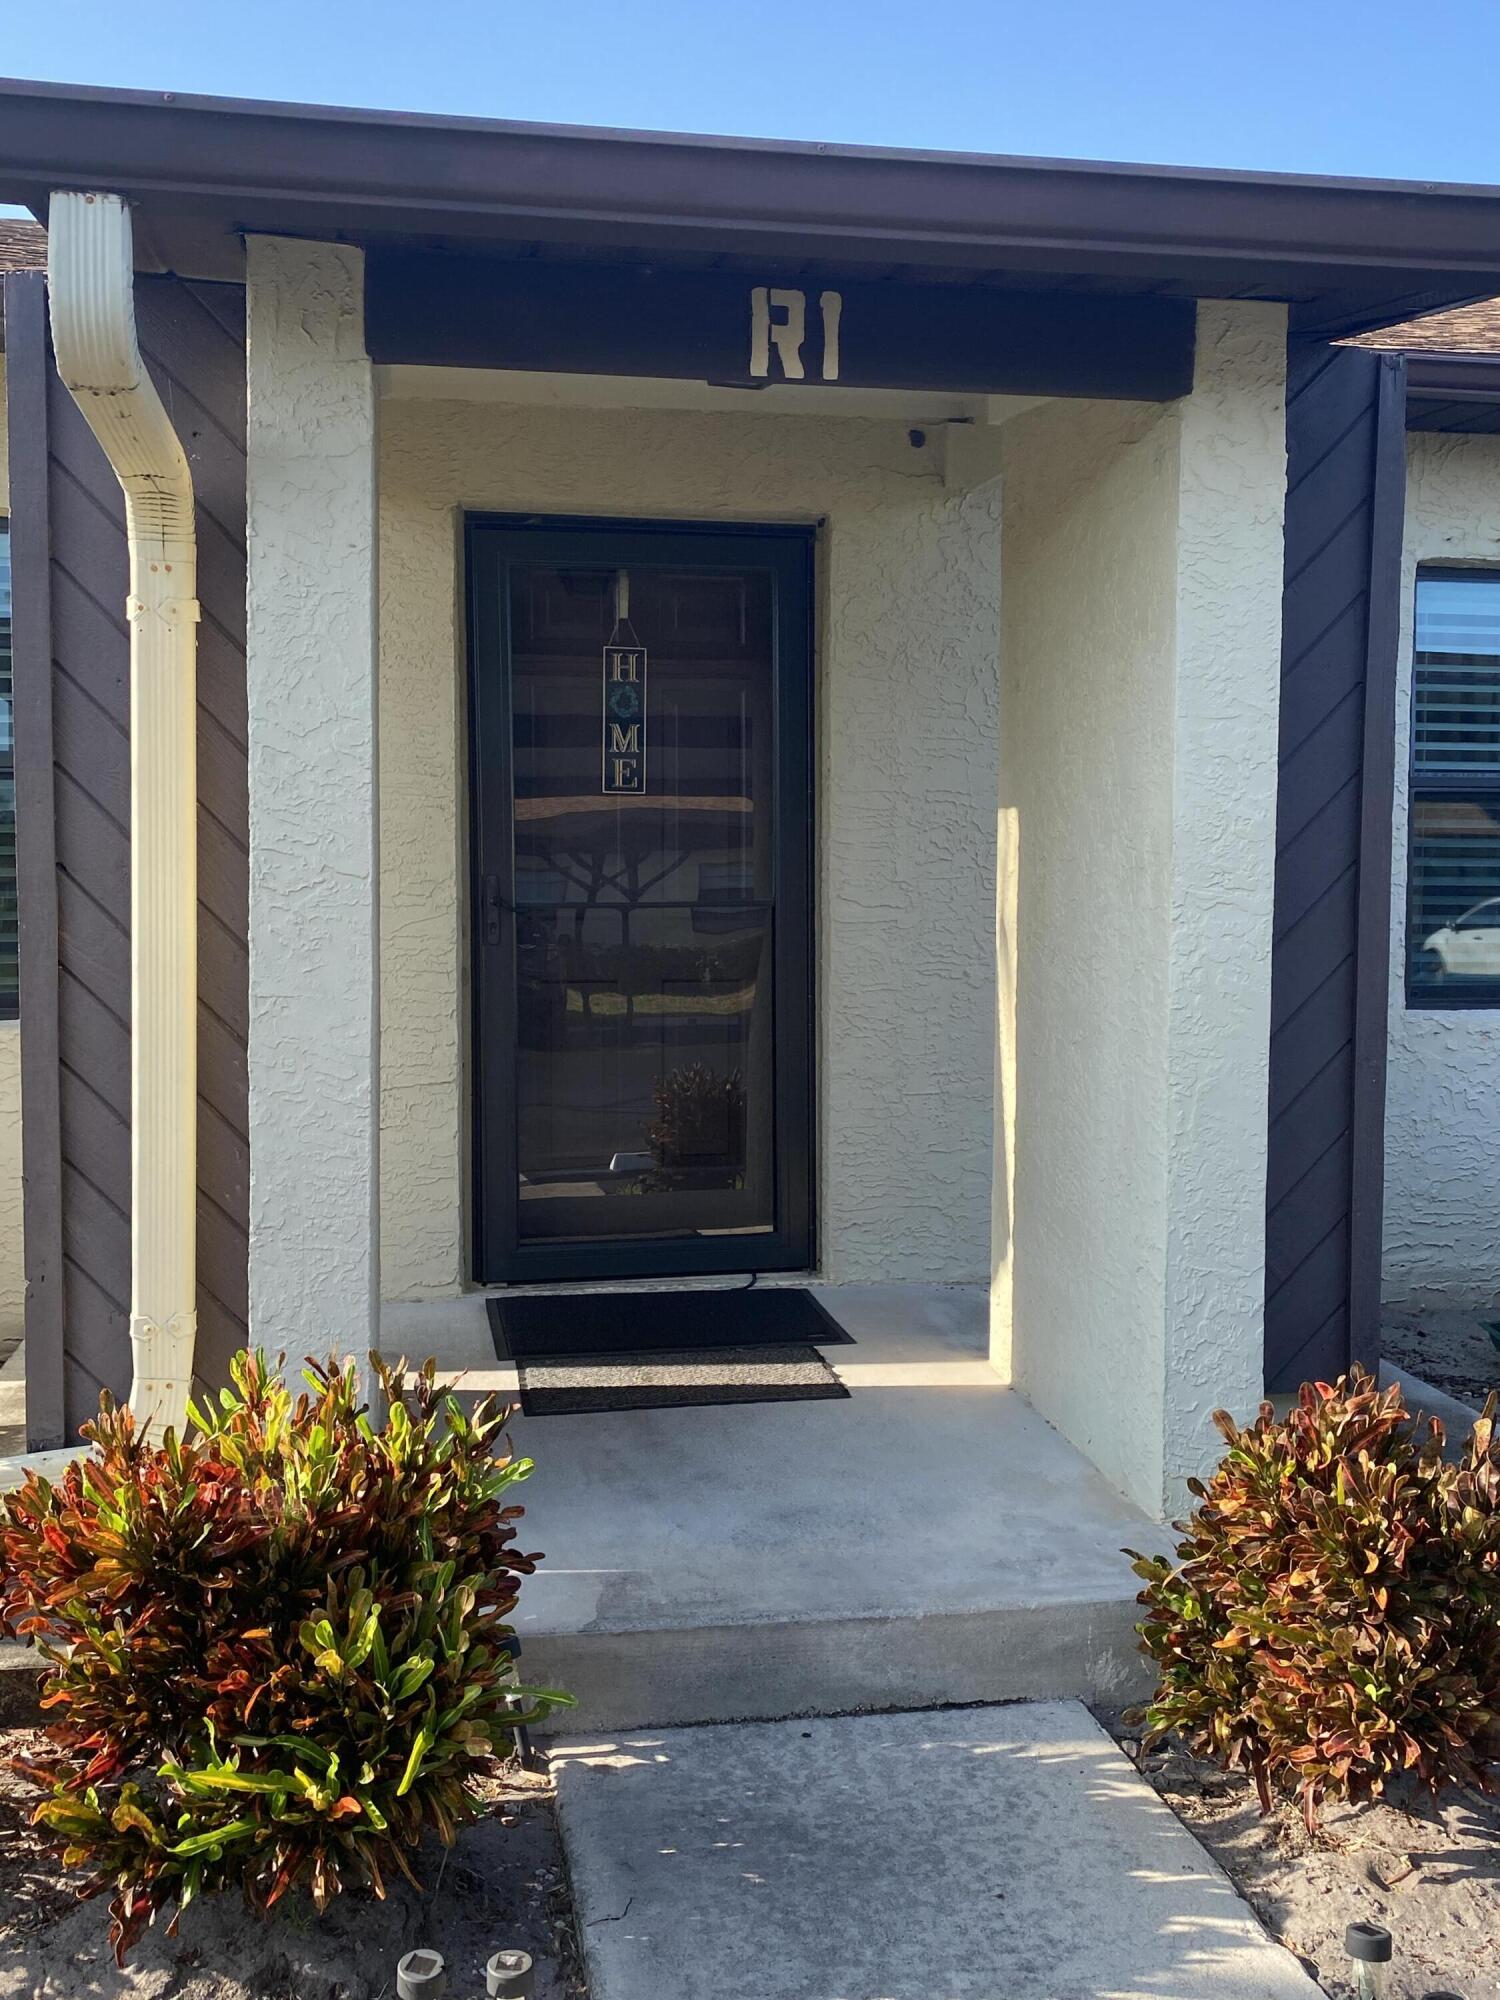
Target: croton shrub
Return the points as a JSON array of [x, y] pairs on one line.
[[278, 1643], [1332, 1617]]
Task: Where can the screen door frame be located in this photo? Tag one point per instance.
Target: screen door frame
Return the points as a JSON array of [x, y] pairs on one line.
[[492, 544]]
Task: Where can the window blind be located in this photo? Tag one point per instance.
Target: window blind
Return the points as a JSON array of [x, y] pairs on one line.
[[1456, 692], [1452, 946]]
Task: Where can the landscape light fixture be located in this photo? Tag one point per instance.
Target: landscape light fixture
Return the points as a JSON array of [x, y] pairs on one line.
[[421, 1976], [509, 1974], [1369, 1945]]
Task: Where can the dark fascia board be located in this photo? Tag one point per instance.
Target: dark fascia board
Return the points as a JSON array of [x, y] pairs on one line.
[[234, 165], [1453, 393], [1456, 378]]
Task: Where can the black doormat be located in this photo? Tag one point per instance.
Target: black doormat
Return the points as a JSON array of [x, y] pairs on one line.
[[676, 1377], [560, 1326]]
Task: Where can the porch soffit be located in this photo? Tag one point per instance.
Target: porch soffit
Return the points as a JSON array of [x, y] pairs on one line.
[[200, 172]]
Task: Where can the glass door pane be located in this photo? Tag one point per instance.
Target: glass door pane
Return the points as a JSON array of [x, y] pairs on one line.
[[647, 1066]]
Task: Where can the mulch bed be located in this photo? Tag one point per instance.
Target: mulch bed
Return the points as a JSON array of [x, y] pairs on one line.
[[503, 1886]]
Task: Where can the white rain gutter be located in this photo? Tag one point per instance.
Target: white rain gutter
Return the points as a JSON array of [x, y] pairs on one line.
[[91, 287]]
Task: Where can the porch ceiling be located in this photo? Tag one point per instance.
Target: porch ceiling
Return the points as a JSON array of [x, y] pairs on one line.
[[201, 171]]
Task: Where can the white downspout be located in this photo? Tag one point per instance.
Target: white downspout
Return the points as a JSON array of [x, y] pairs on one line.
[[91, 286]]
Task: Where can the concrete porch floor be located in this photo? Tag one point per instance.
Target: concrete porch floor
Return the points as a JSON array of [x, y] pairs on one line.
[[930, 1540]]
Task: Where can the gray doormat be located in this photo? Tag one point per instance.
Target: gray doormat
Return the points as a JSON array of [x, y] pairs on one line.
[[672, 1378]]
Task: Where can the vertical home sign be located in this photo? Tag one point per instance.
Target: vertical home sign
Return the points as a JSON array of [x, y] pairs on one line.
[[624, 716]]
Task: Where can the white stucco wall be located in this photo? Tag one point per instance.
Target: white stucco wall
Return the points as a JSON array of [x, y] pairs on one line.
[[907, 756], [1141, 643], [1090, 529], [12, 1264], [1442, 1132], [310, 603]]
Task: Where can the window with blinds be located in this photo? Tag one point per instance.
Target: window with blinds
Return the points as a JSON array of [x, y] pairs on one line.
[[8, 988], [1453, 873]]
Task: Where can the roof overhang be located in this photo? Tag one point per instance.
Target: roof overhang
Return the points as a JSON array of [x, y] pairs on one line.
[[201, 171], [1453, 392]]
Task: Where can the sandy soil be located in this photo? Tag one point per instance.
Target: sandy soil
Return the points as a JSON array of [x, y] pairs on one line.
[[1451, 1350], [503, 1886], [1431, 1876]]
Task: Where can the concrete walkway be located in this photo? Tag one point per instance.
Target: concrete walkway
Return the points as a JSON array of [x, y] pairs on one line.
[[930, 1540], [975, 1854]]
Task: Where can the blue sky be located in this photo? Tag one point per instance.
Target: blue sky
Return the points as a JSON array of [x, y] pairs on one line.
[[1320, 86]]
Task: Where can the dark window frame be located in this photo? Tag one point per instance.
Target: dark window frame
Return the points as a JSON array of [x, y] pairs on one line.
[[1423, 786], [10, 997]]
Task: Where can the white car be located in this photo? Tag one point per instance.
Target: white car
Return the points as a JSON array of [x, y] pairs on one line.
[[1469, 947]]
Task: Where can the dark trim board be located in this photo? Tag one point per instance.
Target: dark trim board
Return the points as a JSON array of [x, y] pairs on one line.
[[1330, 955], [72, 756], [489, 312], [28, 368]]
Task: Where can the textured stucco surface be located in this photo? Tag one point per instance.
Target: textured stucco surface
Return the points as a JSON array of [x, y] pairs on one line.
[[1090, 524], [908, 587], [12, 1262], [1230, 550], [313, 1054], [1442, 1134], [1142, 554]]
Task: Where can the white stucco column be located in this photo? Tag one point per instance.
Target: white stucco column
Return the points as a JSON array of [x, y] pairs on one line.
[[1230, 558], [311, 668], [1142, 558]]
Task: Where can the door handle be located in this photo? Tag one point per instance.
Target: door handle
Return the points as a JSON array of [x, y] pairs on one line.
[[490, 904]]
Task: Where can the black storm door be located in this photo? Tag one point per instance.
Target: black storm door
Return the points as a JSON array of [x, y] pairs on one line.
[[641, 724]]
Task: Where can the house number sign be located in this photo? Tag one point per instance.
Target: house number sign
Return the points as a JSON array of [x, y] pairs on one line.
[[624, 701], [778, 326], [760, 328]]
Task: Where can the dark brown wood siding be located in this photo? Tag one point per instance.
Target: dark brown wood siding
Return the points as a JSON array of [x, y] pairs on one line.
[[1330, 972], [73, 769]]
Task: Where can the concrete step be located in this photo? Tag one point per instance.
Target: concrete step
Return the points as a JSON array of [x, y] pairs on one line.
[[929, 1540], [762, 1672]]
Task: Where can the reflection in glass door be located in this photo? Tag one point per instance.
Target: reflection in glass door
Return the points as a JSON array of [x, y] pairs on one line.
[[640, 784]]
